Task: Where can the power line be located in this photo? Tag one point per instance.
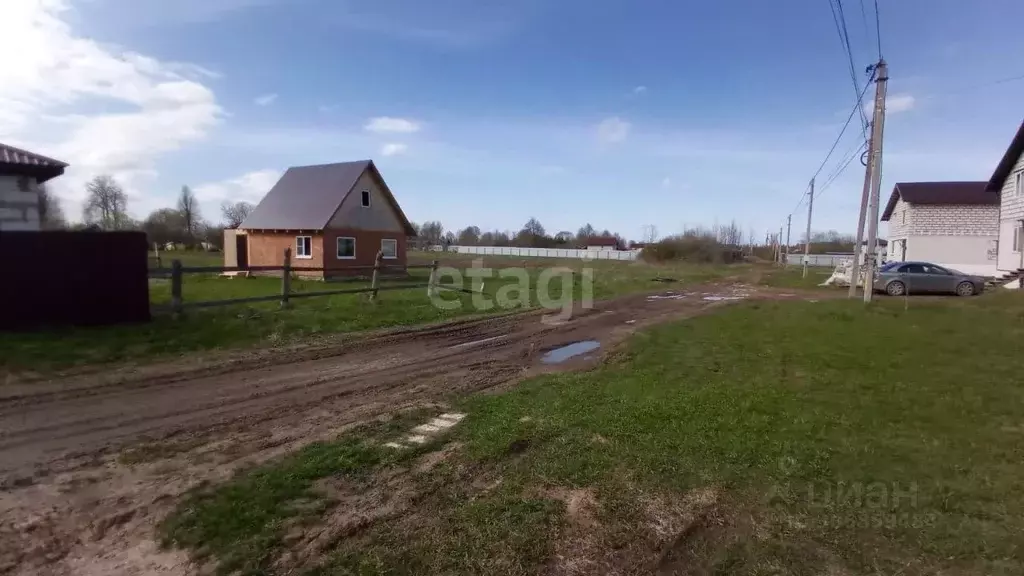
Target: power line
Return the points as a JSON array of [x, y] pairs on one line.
[[840, 168], [858, 105], [878, 31], [839, 18]]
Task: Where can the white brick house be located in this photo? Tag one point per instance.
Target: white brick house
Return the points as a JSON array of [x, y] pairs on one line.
[[953, 224], [1007, 183], [21, 173]]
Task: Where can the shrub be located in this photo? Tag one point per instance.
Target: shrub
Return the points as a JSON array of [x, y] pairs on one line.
[[705, 249]]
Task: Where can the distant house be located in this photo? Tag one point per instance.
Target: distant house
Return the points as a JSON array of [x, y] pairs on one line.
[[602, 243], [1007, 186], [21, 173], [953, 224], [334, 217]]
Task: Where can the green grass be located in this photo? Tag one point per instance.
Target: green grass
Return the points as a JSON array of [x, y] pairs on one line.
[[266, 324], [877, 440], [188, 258], [242, 523]]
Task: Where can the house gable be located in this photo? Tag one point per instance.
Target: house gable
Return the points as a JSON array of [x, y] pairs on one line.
[[383, 214], [1012, 204]]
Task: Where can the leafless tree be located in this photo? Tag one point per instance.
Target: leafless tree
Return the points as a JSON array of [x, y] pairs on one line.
[[188, 206], [235, 213], [432, 233], [51, 215], [106, 204]]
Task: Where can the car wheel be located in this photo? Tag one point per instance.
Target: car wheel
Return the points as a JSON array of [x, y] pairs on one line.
[[896, 288], [965, 289]]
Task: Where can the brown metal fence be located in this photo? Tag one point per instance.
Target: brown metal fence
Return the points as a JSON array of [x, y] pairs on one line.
[[62, 278]]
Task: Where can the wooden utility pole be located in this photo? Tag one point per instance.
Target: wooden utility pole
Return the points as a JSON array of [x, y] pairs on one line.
[[807, 239], [877, 131]]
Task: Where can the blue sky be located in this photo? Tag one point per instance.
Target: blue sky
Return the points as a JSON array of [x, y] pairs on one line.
[[617, 113]]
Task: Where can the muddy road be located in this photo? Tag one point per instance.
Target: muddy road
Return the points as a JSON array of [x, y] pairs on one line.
[[91, 462]]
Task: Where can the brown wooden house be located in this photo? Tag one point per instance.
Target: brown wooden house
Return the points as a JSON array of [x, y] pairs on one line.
[[333, 216]]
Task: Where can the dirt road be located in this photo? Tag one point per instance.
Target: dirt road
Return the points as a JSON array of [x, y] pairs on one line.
[[90, 463]]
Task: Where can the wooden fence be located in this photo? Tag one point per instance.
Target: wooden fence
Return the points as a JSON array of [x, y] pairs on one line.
[[177, 271]]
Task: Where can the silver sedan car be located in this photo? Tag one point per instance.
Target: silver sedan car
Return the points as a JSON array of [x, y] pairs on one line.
[[903, 278]]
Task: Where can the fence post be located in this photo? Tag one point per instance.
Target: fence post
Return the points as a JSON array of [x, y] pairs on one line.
[[432, 282], [286, 277], [376, 271], [176, 301]]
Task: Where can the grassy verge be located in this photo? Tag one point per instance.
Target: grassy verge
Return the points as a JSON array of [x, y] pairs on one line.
[[797, 438], [268, 325]]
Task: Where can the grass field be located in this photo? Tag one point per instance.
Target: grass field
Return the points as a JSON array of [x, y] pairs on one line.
[[268, 325], [781, 438]]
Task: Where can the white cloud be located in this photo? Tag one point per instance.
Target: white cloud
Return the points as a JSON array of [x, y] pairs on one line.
[[47, 72], [894, 104], [612, 130], [393, 149], [639, 89], [388, 124], [265, 99], [249, 187], [899, 103]]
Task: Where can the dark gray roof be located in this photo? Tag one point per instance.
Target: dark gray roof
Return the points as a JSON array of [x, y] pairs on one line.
[[1008, 161], [940, 193], [306, 197], [18, 161]]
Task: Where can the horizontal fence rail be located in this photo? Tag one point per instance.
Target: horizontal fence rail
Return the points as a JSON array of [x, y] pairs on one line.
[[575, 253], [177, 272]]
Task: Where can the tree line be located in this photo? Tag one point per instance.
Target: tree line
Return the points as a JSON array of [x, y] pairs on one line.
[[106, 208], [531, 235]]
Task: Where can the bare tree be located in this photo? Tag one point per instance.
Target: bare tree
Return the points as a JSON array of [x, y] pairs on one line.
[[235, 213], [164, 226], [432, 233], [188, 206], [106, 204], [585, 232], [51, 215]]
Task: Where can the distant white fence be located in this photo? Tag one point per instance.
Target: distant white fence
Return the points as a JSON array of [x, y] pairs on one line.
[[625, 255], [823, 260]]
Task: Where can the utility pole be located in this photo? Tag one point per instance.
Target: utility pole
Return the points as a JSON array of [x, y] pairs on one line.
[[864, 195], [789, 222], [778, 243], [807, 240], [877, 131]]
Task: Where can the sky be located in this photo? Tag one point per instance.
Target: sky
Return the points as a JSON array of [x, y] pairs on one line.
[[617, 113]]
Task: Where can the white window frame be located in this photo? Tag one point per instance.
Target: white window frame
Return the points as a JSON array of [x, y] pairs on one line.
[[337, 248], [298, 247], [394, 242], [904, 216], [368, 195], [1018, 237]]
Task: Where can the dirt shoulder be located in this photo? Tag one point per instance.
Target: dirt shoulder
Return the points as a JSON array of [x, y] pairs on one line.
[[90, 461]]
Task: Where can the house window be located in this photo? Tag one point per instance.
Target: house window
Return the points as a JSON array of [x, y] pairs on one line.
[[389, 247], [904, 217], [1018, 183], [1018, 237], [366, 198], [346, 248], [303, 246]]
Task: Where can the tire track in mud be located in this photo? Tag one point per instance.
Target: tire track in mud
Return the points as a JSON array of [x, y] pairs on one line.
[[57, 439]]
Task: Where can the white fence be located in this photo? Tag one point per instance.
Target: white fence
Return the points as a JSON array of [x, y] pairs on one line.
[[823, 260], [625, 255]]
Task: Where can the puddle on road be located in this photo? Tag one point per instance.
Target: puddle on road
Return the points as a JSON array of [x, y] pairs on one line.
[[565, 352]]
